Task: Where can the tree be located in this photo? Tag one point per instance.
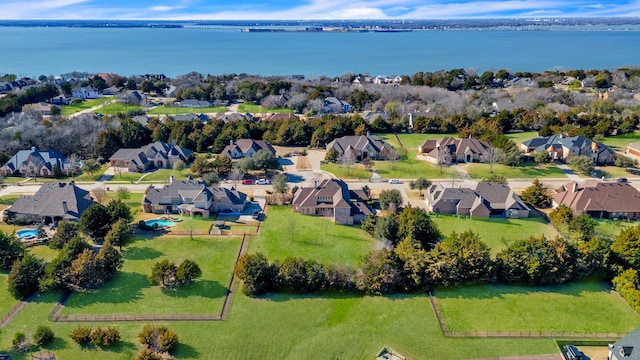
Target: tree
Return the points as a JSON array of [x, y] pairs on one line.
[[381, 273], [331, 155], [158, 338], [582, 227], [444, 158], [65, 231], [493, 156], [386, 230], [84, 272], [265, 160], [582, 164], [513, 156], [235, 174], [99, 194], [420, 184], [187, 272], [627, 246], [391, 155], [222, 164], [256, 274], [43, 335], [211, 178], [347, 159], [95, 221], [122, 193], [536, 261], [416, 224], [626, 162], [537, 195], [280, 184], [81, 335], [120, 234], [460, 258], [109, 260], [415, 263], [25, 276], [542, 157], [163, 273], [201, 165], [90, 166], [390, 199], [10, 250], [57, 272], [561, 215], [118, 209]]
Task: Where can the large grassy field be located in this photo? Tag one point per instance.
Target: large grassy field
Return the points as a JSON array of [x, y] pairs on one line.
[[620, 142], [519, 137], [412, 141], [609, 229], [87, 104], [6, 299], [588, 306], [257, 109], [525, 171], [131, 293], [497, 233], [312, 238], [162, 175], [117, 108], [173, 110]]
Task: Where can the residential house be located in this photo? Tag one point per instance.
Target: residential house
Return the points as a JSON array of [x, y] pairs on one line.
[[135, 97], [333, 105], [191, 117], [627, 348], [484, 200], [193, 103], [246, 147], [35, 162], [563, 148], [191, 197], [451, 150], [171, 91], [364, 146], [633, 149], [85, 92], [60, 100], [332, 198], [41, 108], [275, 117], [610, 200], [111, 91], [155, 155], [51, 203]]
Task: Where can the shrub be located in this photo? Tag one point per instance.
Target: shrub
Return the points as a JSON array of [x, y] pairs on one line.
[[18, 338], [81, 335], [105, 337], [43, 335], [148, 354], [158, 339], [20, 342]]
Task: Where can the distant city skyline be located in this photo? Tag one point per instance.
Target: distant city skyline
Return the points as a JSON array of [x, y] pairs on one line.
[[313, 9]]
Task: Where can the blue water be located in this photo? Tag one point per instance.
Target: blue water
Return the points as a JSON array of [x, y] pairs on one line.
[[32, 51], [26, 233], [159, 222]]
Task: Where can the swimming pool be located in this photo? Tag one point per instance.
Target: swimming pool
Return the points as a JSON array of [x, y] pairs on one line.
[[159, 222], [27, 233]]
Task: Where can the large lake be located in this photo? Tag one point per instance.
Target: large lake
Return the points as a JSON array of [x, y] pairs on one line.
[[32, 51]]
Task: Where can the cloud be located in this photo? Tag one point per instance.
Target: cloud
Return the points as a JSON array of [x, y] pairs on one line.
[[161, 8]]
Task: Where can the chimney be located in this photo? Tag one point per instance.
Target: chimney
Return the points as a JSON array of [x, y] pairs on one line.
[[231, 142], [33, 148], [368, 133], [574, 187], [469, 136], [65, 208]]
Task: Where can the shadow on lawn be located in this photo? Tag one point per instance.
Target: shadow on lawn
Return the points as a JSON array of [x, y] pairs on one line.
[[491, 291], [283, 297], [124, 288], [142, 253], [184, 351], [121, 347], [203, 288]]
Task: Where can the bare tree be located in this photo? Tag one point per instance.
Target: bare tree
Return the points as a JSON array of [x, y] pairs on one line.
[[392, 156], [347, 159], [235, 174], [444, 158], [99, 194], [493, 156]]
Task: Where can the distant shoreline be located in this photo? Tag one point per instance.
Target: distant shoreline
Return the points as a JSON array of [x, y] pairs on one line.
[[365, 26]]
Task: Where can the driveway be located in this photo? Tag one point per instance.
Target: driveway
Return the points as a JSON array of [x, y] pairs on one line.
[[569, 173]]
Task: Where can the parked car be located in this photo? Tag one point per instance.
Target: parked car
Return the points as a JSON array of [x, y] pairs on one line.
[[395, 181], [247, 181], [262, 182], [622, 180]]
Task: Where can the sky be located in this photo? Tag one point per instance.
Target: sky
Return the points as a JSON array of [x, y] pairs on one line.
[[311, 9]]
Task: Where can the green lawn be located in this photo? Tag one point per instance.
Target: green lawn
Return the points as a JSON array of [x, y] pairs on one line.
[[8, 199], [162, 175], [131, 293], [609, 229], [255, 109], [498, 233], [412, 141], [118, 107], [314, 238], [519, 137], [7, 301], [528, 170], [87, 104], [173, 110], [407, 168], [620, 142], [125, 177], [588, 306]]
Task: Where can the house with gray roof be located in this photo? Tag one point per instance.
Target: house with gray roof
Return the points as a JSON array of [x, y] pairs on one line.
[[246, 148], [193, 103], [51, 203], [485, 199], [334, 105], [364, 146], [451, 150], [155, 155], [609, 200], [627, 348], [35, 162], [85, 92], [332, 198], [191, 197], [135, 97], [563, 148]]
